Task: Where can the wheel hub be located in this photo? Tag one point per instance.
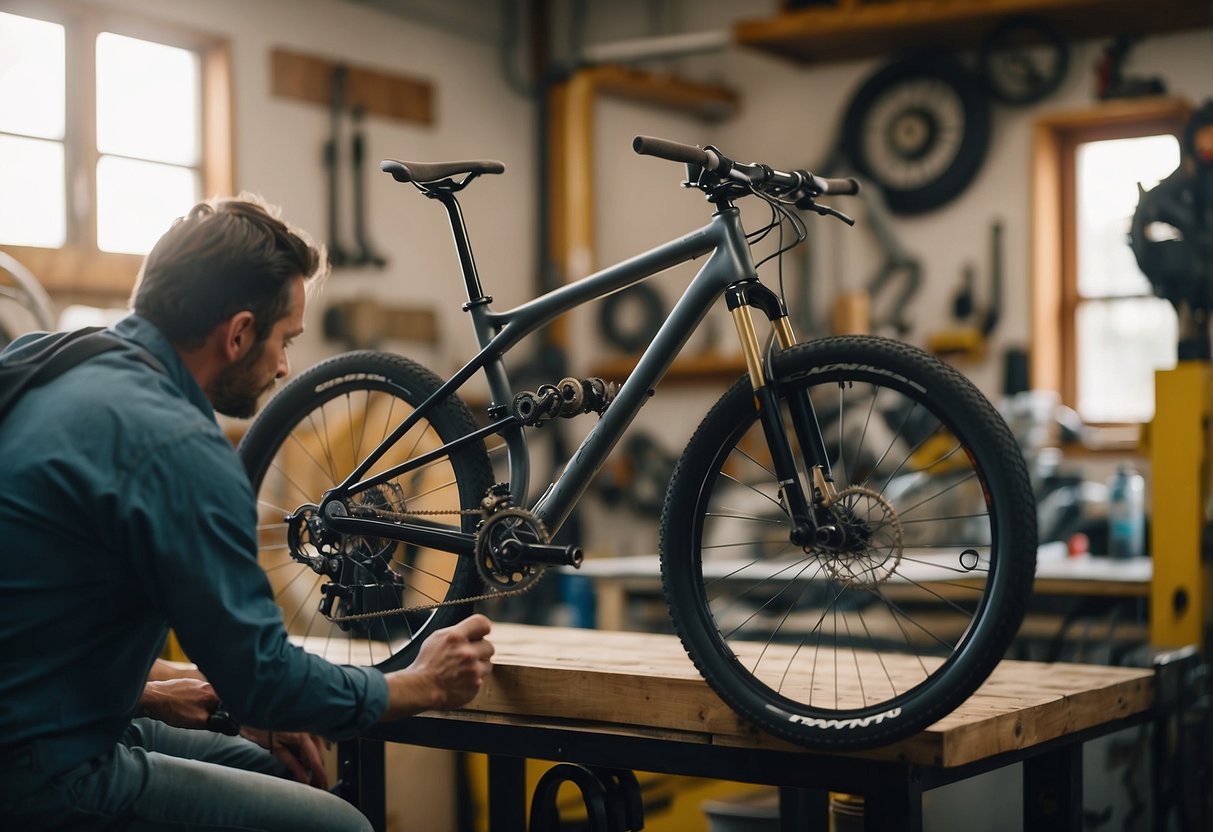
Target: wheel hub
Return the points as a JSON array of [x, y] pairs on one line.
[[869, 535]]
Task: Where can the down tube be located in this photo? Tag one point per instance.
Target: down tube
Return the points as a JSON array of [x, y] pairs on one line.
[[555, 506]]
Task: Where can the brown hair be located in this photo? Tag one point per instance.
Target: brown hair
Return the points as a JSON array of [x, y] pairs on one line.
[[223, 257]]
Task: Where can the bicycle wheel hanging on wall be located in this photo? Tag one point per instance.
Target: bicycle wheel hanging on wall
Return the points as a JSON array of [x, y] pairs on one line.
[[919, 127], [1023, 60]]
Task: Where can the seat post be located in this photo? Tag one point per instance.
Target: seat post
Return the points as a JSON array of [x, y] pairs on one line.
[[463, 246]]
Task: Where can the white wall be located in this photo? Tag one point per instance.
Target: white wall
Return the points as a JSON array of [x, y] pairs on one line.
[[279, 143]]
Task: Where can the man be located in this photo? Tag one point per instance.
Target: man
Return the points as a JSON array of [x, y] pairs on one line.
[[123, 512]]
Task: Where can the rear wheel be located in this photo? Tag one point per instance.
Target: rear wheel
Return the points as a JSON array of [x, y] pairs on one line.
[[306, 441], [877, 633]]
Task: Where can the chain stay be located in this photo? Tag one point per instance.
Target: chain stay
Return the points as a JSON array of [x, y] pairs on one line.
[[449, 602]]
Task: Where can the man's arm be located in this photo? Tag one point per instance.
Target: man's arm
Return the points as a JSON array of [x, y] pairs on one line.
[[185, 702], [164, 670], [448, 672]]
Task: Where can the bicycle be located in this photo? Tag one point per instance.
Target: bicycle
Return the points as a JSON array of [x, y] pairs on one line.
[[841, 581]]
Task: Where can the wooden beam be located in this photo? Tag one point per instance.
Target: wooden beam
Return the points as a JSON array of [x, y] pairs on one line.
[[308, 78], [710, 102], [570, 129], [868, 29]]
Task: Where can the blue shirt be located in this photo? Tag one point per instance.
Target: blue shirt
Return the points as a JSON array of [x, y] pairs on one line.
[[124, 511]]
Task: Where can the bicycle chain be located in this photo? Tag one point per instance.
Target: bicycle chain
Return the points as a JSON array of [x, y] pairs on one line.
[[449, 602]]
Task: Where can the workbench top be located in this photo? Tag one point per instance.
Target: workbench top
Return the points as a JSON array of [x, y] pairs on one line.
[[644, 685]]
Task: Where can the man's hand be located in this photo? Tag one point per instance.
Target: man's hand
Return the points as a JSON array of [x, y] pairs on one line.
[[185, 703], [301, 753], [447, 673]]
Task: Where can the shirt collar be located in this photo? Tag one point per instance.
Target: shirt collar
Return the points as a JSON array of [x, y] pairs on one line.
[[144, 333]]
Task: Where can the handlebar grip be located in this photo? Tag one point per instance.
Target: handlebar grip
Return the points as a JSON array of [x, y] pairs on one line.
[[674, 151], [841, 187]]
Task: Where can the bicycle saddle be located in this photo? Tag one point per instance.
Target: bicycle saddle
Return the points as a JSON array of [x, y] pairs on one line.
[[423, 172]]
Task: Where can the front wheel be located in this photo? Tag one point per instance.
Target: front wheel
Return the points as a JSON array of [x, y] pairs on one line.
[[868, 636], [337, 593]]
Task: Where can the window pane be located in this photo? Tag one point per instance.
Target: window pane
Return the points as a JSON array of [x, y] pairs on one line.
[[1120, 345], [32, 84], [148, 100], [33, 208], [138, 201], [1106, 178]]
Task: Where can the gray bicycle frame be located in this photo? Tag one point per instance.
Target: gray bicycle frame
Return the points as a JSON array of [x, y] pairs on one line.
[[497, 332]]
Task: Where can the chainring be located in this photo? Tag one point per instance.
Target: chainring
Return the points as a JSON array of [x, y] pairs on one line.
[[497, 566]]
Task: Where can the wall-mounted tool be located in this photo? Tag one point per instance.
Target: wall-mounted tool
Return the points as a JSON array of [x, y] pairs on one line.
[[362, 253], [969, 339], [366, 253], [332, 164], [1110, 79]]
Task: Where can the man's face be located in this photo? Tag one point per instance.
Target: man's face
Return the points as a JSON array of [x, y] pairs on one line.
[[238, 387]]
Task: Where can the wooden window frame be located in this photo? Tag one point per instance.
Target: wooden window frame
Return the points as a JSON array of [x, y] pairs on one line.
[[1054, 260], [79, 271]]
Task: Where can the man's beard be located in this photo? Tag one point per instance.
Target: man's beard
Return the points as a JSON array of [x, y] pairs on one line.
[[237, 389]]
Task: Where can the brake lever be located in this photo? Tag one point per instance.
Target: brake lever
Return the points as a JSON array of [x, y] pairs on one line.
[[826, 210]]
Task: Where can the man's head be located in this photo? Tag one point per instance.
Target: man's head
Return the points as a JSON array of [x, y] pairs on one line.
[[225, 285]]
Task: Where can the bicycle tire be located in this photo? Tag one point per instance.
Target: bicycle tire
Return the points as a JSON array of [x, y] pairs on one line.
[[919, 127], [305, 441], [835, 650]]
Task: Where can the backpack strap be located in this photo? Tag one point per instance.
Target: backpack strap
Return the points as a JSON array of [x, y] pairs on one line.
[[56, 356]]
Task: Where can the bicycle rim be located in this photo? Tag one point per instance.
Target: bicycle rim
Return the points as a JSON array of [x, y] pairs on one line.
[[856, 644], [305, 442]]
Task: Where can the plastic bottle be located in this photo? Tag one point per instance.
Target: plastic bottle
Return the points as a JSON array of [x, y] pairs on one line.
[[1126, 514]]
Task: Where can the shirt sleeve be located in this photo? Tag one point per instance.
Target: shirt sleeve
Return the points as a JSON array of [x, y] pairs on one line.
[[188, 522]]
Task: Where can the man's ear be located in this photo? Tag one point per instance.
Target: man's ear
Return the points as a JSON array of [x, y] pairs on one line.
[[239, 335]]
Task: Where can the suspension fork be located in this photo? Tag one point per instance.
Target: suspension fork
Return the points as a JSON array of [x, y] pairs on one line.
[[740, 298]]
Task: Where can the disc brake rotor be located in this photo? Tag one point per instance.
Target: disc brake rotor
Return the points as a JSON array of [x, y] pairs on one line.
[[874, 541]]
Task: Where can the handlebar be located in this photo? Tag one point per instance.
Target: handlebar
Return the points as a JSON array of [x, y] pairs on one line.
[[794, 185]]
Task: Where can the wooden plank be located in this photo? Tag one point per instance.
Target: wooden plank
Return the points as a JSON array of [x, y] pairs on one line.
[[365, 323], [861, 30], [307, 78], [644, 685]]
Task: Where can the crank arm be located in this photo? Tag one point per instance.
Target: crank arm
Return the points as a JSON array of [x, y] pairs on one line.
[[542, 554], [418, 532]]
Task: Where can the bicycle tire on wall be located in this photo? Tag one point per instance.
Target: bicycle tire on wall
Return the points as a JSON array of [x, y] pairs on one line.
[[306, 440], [919, 128], [850, 649]]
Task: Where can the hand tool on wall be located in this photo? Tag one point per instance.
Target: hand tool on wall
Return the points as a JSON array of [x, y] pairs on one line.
[[338, 256], [969, 339], [366, 253]]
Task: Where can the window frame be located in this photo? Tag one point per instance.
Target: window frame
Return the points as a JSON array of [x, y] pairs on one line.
[[1055, 297], [79, 270]]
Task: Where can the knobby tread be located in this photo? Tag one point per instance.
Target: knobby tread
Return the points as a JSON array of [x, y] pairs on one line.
[[414, 383], [1004, 470]]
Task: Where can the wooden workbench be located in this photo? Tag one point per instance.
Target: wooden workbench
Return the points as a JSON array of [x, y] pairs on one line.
[[634, 701]]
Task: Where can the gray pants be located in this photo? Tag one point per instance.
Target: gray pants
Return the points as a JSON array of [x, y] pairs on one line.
[[165, 778]]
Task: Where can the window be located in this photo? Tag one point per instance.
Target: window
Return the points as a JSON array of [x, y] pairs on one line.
[[1099, 334], [112, 126]]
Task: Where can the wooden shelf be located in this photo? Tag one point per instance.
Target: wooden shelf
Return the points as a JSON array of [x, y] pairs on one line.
[[866, 28]]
